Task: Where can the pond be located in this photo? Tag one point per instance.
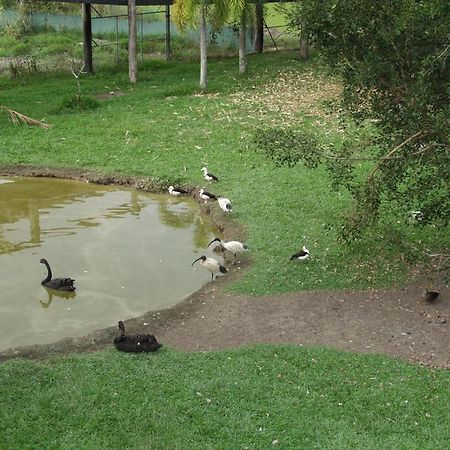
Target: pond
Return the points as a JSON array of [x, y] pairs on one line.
[[129, 251]]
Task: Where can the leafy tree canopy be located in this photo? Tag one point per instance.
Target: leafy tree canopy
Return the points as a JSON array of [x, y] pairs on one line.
[[393, 56]]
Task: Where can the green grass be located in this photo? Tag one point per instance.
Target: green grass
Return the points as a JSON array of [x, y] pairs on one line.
[[257, 397], [163, 130]]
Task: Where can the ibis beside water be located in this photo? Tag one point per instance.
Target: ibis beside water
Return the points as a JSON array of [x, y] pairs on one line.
[[206, 195], [177, 191], [224, 204], [212, 265], [234, 247]]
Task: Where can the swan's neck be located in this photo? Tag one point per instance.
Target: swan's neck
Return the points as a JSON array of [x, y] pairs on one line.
[[49, 273]]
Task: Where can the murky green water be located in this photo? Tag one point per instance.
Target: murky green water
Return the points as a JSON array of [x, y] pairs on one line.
[[129, 252]]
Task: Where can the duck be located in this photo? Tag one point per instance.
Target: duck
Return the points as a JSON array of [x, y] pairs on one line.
[[430, 296], [176, 191], [302, 255], [208, 175], [206, 195], [212, 265], [225, 204], [135, 343], [59, 284], [234, 247]]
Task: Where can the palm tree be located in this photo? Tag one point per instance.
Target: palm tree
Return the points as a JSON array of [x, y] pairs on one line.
[[191, 12]]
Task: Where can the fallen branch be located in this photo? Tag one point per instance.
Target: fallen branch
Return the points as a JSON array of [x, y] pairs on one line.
[[18, 118]]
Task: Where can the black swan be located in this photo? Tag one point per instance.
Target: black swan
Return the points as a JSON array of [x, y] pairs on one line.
[[59, 284], [135, 342]]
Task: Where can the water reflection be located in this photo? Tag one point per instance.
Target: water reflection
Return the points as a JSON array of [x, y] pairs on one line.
[[124, 248], [52, 293]]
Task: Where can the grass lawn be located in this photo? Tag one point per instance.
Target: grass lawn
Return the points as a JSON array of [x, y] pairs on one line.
[[255, 398]]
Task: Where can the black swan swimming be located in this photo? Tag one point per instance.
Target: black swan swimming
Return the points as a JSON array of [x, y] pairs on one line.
[[59, 284], [135, 342]]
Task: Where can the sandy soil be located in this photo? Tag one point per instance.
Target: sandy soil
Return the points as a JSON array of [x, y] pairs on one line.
[[395, 322]]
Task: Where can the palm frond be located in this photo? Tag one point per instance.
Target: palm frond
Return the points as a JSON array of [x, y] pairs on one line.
[[18, 118]]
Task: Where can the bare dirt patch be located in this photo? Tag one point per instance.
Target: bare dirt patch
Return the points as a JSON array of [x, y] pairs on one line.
[[395, 322], [109, 95]]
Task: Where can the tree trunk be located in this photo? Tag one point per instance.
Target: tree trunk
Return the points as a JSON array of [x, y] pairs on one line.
[[304, 42], [132, 37], [87, 37], [259, 27], [242, 44], [203, 50]]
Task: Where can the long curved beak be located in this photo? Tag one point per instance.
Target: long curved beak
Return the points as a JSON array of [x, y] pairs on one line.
[[198, 259], [214, 240]]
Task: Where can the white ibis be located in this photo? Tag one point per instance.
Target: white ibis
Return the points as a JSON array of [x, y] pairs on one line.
[[302, 255], [208, 175], [234, 247], [206, 195], [176, 191], [224, 204], [430, 296], [212, 265]]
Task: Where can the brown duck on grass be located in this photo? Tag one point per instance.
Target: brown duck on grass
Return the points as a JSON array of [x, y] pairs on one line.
[[59, 284], [135, 342], [430, 296]]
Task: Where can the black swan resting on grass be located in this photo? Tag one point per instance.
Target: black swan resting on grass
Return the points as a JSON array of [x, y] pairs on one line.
[[135, 342], [59, 284]]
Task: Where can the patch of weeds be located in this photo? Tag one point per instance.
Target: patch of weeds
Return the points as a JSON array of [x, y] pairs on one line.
[[22, 67], [77, 103], [287, 147]]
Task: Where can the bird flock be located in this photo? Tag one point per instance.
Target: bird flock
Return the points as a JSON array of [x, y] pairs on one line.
[[148, 342]]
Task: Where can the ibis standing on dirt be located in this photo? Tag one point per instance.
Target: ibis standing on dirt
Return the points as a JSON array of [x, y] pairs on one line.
[[212, 265], [224, 204]]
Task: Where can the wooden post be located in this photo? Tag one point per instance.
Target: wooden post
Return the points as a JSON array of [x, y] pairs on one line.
[[168, 49], [259, 27], [132, 37], [87, 37]]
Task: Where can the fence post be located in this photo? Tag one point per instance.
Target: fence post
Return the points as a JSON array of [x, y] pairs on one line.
[[132, 35], [87, 37], [168, 49]]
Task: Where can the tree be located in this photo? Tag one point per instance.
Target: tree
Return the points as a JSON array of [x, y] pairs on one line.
[[393, 57], [193, 12], [187, 12]]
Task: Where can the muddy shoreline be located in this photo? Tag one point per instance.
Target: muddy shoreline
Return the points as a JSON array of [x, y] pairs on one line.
[[395, 322]]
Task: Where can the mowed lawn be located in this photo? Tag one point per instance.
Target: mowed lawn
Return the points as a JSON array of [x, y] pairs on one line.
[[258, 397]]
